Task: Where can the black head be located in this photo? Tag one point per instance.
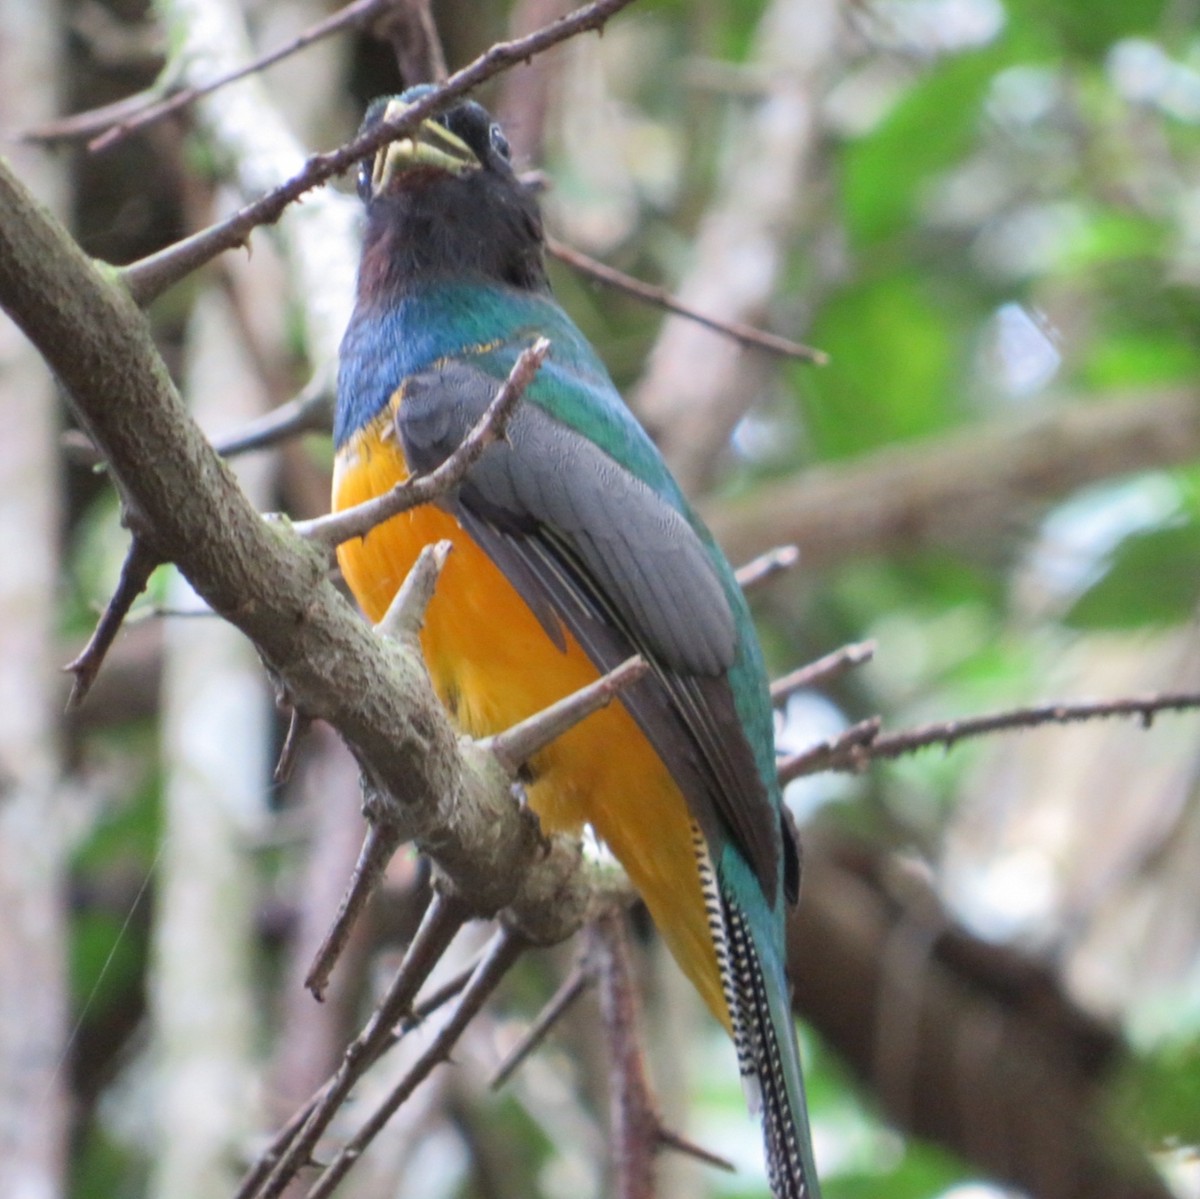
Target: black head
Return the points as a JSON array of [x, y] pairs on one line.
[[446, 201]]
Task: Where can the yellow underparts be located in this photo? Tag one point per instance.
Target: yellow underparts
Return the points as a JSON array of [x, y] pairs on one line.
[[493, 664]]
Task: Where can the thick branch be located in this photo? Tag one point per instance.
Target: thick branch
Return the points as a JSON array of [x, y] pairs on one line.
[[965, 1042], [263, 579], [958, 488]]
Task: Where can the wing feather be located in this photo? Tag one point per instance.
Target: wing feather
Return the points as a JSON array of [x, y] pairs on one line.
[[593, 549]]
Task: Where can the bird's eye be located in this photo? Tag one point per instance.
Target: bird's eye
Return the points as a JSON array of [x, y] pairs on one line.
[[500, 142], [364, 180]]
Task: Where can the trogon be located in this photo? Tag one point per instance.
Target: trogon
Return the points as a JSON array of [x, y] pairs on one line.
[[573, 550]]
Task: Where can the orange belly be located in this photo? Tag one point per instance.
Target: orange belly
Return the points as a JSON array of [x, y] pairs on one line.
[[493, 665]]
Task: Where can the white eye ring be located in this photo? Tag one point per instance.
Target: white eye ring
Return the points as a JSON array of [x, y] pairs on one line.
[[499, 142]]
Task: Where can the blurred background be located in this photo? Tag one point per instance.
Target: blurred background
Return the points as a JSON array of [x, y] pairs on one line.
[[987, 214]]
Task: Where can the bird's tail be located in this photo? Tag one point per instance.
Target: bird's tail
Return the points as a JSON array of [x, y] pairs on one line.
[[764, 1033]]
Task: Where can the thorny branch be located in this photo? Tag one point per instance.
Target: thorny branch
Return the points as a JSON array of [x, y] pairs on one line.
[[637, 1130], [287, 1155], [945, 734], [151, 276], [861, 744], [506, 946], [274, 588], [140, 563]]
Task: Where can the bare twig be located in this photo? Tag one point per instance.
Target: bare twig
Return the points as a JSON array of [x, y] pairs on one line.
[[309, 412], [767, 566], [506, 946], [633, 1120], [438, 997], [571, 988], [861, 743], [823, 670], [93, 120], [122, 123], [378, 845], [680, 1144], [151, 276], [298, 725], [747, 335], [140, 563], [948, 733], [406, 612], [443, 919], [332, 530], [515, 746], [846, 751]]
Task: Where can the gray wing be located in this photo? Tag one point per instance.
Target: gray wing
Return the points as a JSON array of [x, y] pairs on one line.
[[592, 549]]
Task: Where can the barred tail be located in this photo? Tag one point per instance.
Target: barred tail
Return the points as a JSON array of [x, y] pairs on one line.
[[764, 1033]]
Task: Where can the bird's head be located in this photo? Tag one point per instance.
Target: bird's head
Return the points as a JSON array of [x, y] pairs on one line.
[[445, 201]]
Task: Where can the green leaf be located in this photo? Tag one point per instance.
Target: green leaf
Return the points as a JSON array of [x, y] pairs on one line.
[[1135, 359], [1153, 578], [1161, 1093], [1088, 29], [931, 128], [893, 353]]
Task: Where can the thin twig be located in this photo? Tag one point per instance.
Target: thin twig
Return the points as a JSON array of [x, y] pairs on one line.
[[353, 522], [861, 744], [823, 670], [437, 998], [360, 13], [766, 566], [680, 1144], [515, 746], [748, 335], [378, 845], [298, 725], [150, 276], [140, 563], [846, 751], [270, 1157], [947, 733], [506, 946], [633, 1120], [571, 988], [444, 917], [309, 412], [93, 120]]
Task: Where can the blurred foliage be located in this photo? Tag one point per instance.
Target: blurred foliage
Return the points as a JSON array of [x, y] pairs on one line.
[[1005, 218]]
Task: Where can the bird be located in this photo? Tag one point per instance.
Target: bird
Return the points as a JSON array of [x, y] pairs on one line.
[[573, 549]]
